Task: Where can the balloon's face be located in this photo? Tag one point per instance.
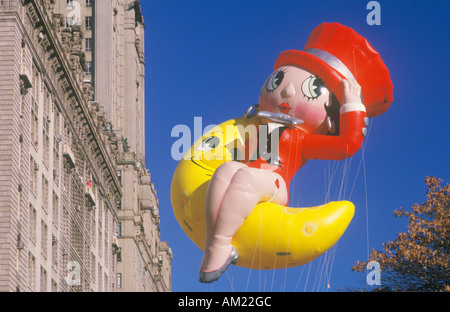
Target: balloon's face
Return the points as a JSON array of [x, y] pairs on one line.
[[299, 93]]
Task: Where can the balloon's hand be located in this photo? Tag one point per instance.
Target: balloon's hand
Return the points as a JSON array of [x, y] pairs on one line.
[[352, 92]]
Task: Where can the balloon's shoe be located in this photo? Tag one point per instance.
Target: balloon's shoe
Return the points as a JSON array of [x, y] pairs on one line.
[[209, 277]]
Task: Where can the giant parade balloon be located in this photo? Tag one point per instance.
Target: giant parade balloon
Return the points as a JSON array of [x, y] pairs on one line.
[[315, 105], [273, 236]]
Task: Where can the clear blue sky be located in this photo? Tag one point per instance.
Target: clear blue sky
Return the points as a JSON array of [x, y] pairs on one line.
[[209, 59]]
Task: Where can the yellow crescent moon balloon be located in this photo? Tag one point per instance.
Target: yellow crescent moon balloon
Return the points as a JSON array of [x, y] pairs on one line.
[[273, 236]]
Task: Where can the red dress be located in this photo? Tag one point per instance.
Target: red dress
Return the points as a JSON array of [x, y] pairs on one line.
[[295, 147]]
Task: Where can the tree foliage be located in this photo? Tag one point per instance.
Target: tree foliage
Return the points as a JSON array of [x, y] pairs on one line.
[[418, 260]]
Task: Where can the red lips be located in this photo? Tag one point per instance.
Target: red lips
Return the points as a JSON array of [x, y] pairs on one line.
[[284, 108]]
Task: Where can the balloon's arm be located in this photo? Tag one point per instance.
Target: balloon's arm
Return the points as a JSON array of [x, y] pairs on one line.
[[353, 122]]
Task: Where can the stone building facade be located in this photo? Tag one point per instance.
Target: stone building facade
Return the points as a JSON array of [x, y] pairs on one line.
[[78, 210]]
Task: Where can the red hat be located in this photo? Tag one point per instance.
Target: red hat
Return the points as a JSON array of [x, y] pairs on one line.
[[334, 52]]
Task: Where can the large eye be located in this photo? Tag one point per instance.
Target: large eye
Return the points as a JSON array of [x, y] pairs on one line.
[[208, 144], [274, 81], [313, 87]]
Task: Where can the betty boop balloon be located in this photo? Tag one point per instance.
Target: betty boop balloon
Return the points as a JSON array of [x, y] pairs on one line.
[[230, 192]]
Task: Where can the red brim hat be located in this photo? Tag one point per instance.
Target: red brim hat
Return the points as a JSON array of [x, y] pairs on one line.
[[335, 52]]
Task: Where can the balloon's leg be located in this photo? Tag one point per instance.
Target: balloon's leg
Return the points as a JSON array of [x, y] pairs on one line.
[[216, 191], [247, 187]]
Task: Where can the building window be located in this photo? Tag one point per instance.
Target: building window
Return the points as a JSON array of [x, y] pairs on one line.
[[69, 21], [88, 43], [43, 280], [46, 148], [119, 280], [32, 223], [89, 3], [31, 271], [88, 68], [69, 4], [44, 233], [45, 188], [55, 252], [119, 229], [88, 22], [54, 286], [100, 241], [56, 158], [34, 168], [100, 275], [55, 208]]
